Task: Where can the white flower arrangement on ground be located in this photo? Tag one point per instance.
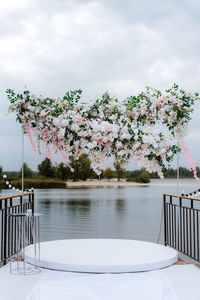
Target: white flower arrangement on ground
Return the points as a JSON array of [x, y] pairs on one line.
[[107, 127]]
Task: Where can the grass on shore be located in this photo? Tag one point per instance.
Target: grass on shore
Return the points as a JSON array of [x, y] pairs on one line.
[[37, 183]]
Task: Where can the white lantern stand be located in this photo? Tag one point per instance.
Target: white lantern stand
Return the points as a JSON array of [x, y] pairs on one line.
[[27, 228]]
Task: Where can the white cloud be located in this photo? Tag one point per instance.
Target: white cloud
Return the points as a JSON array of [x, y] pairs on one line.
[[53, 46]]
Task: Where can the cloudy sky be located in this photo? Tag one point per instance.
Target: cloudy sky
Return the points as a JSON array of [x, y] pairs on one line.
[[51, 46]]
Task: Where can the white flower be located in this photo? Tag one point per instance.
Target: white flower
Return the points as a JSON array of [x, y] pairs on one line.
[[170, 153], [64, 123], [124, 129], [162, 151], [115, 128], [118, 144], [136, 146], [148, 139], [167, 108], [126, 136], [56, 122], [30, 107], [94, 143], [61, 133], [75, 127]]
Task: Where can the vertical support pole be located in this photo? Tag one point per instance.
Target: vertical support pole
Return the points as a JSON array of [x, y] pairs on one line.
[[179, 200], [181, 228], [100, 215], [1, 218], [5, 232], [38, 241], [165, 220], [22, 169], [33, 203]]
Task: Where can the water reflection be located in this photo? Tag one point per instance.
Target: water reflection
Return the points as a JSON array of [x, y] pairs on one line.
[[126, 212], [46, 203], [120, 205], [79, 205]]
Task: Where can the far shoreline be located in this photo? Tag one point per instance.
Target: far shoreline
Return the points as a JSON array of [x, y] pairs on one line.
[[101, 183]]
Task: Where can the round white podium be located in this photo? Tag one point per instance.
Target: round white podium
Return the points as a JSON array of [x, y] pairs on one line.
[[103, 255]]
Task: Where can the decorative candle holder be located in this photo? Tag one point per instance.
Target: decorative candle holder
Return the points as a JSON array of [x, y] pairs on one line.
[[27, 229]]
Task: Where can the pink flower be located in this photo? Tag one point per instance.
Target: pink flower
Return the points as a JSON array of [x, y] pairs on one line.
[[88, 122], [100, 141], [118, 144], [132, 114], [160, 105], [105, 139], [79, 119], [110, 127]]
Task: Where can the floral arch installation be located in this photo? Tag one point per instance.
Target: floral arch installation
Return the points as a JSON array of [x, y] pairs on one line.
[[148, 127]]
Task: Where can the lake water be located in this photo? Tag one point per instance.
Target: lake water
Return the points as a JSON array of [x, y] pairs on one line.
[[109, 212]]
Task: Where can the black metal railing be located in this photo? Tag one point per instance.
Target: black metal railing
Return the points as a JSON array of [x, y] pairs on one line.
[[182, 224], [9, 205]]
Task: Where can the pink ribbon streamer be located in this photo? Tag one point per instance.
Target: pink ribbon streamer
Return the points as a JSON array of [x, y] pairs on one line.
[[190, 160], [65, 157], [45, 149], [49, 155], [28, 131]]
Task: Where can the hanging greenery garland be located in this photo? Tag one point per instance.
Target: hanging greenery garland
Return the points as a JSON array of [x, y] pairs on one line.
[[130, 129]]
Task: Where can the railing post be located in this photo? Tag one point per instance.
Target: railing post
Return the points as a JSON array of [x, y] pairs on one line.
[[181, 228], [5, 233], [165, 224], [33, 203], [8, 227], [1, 214]]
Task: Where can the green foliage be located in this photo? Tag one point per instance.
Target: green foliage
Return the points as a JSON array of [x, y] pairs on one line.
[[46, 169], [133, 174], [108, 173], [119, 170], [62, 172], [82, 169], [39, 183], [73, 97], [142, 177], [2, 184], [170, 173], [1, 169], [27, 172]]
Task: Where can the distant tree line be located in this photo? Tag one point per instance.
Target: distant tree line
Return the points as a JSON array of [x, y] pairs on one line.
[[83, 171]]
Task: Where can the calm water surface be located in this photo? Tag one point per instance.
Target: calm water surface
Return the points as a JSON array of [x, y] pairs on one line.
[[109, 212]]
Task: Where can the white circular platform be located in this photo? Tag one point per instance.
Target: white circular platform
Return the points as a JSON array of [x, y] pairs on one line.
[[103, 255]]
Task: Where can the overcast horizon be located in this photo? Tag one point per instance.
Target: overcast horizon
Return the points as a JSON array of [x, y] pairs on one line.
[[120, 47]]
